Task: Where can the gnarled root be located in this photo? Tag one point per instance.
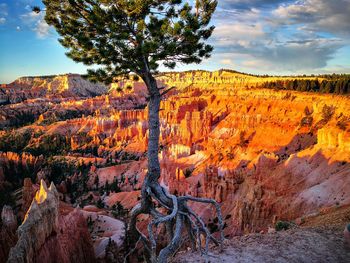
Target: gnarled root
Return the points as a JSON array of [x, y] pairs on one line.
[[179, 215]]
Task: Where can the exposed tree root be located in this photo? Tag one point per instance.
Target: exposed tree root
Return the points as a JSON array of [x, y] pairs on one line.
[[179, 216]]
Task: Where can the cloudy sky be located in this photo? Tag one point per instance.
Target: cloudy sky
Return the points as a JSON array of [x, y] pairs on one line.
[[255, 36]]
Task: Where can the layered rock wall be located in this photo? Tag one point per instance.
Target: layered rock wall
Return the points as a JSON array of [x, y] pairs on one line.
[[39, 223], [7, 232], [264, 154], [50, 235], [34, 87]]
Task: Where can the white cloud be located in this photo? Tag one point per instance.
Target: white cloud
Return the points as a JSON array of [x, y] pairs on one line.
[[31, 17], [42, 29], [226, 61], [317, 15], [3, 13], [295, 55], [248, 4], [3, 9], [280, 36], [37, 23], [237, 34], [28, 8]]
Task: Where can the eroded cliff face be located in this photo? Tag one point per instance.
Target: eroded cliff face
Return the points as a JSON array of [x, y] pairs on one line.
[[265, 155], [36, 87], [48, 235], [39, 223], [7, 232]]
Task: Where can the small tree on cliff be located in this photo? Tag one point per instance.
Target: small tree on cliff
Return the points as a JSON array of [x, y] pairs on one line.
[[135, 36]]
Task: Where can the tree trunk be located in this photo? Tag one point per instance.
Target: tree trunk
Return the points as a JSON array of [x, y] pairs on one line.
[[154, 129], [179, 213], [153, 140], [153, 173]]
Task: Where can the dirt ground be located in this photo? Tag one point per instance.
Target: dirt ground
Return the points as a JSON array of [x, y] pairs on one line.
[[320, 239]]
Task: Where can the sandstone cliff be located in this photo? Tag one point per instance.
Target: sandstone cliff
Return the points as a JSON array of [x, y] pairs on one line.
[[35, 87], [40, 220], [266, 155], [8, 225], [46, 235]]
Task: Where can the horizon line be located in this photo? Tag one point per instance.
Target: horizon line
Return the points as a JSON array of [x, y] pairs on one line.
[[195, 70]]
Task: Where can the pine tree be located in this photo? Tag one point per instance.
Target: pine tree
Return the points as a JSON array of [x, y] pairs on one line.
[[136, 36]]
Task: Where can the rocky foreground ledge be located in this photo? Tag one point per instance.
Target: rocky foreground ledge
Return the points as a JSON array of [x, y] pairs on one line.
[[319, 240], [298, 245]]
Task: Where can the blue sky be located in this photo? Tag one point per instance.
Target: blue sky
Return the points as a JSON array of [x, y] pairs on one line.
[[255, 36]]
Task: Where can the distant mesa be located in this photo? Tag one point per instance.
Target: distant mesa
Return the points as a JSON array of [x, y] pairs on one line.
[[69, 85]]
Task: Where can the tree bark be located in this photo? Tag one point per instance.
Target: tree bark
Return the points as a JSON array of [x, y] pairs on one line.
[[153, 128], [179, 215], [154, 132]]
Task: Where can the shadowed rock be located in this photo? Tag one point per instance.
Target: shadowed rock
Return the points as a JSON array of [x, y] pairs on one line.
[[39, 223]]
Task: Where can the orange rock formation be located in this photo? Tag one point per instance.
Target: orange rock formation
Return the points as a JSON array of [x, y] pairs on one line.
[[265, 155], [46, 235]]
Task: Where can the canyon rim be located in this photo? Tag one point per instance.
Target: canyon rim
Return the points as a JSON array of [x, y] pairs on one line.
[[160, 148]]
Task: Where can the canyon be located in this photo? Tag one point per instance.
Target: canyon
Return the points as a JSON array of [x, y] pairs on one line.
[[265, 155]]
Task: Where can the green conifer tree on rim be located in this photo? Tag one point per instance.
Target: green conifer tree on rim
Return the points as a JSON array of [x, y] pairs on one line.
[[136, 36]]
